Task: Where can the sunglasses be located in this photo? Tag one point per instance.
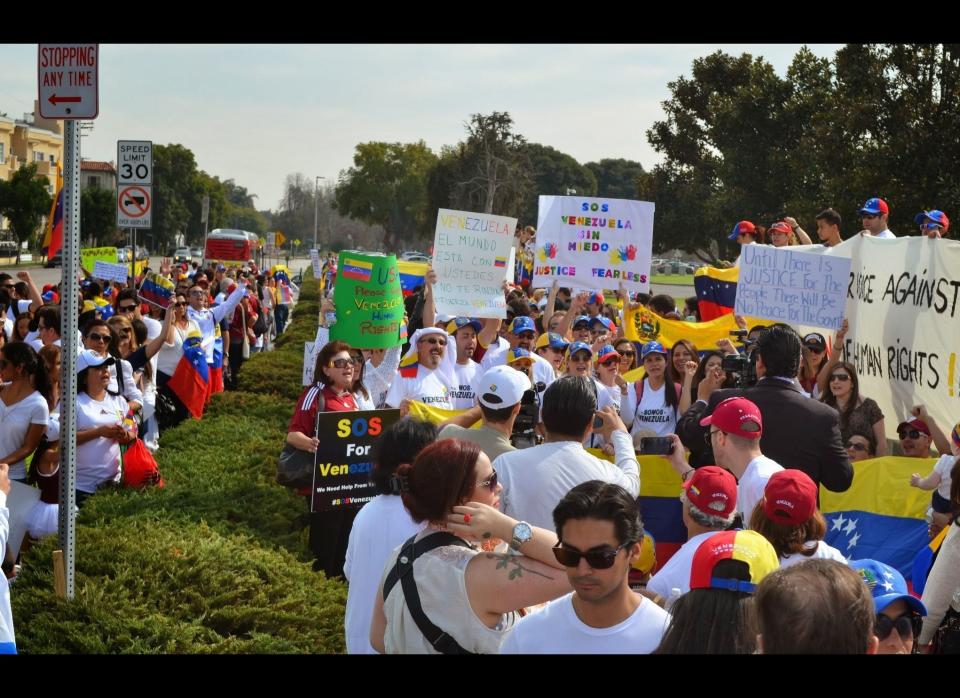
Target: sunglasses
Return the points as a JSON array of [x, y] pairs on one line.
[[435, 340], [580, 357], [97, 337], [127, 308], [815, 349], [597, 559], [340, 363], [909, 433], [907, 626], [842, 377], [124, 333], [856, 447], [929, 226], [490, 482], [708, 437], [610, 363], [626, 354], [182, 304]]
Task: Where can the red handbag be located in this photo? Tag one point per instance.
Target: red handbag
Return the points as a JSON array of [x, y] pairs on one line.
[[139, 466]]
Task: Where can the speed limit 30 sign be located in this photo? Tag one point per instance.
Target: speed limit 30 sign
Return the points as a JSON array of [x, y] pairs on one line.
[[134, 184]]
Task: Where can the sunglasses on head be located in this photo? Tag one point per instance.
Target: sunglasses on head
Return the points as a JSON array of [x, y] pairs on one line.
[[341, 363], [909, 433], [856, 446], [490, 482], [907, 626], [597, 559], [842, 377], [97, 337], [435, 340]]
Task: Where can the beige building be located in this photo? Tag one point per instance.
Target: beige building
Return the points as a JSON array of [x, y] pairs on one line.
[[97, 175]]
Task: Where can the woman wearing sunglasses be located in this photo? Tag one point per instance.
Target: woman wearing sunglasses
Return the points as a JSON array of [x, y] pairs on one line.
[[171, 351], [899, 615], [628, 354], [857, 413], [814, 359], [861, 445], [334, 375], [471, 595]]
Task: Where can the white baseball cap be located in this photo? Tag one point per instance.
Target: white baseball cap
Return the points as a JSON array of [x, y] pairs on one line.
[[502, 386], [88, 358]]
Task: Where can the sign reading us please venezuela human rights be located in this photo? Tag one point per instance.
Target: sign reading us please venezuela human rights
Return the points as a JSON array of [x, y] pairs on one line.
[[593, 243]]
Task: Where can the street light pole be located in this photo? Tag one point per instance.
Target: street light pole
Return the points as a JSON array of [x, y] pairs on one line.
[[316, 207]]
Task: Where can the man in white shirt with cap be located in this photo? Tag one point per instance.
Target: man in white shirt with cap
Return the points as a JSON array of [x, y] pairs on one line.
[[426, 371]]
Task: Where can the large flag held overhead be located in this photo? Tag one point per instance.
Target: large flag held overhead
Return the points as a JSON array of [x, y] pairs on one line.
[[53, 237], [716, 291], [411, 275], [190, 380], [643, 325], [881, 516], [157, 289]]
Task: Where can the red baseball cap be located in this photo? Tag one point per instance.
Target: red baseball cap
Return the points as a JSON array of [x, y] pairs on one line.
[[790, 497], [748, 547], [738, 416], [780, 227], [712, 490], [917, 424]]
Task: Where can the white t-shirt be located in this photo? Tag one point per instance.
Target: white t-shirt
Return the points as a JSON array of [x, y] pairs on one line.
[[427, 387], [823, 552], [495, 354], [462, 395], [675, 574], [170, 354], [98, 460], [381, 526], [943, 466], [886, 235], [653, 412], [557, 630], [535, 479], [153, 327], [15, 421], [8, 328], [753, 483]]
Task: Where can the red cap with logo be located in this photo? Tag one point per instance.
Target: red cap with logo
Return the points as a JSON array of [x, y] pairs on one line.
[[790, 497], [737, 416], [712, 490]]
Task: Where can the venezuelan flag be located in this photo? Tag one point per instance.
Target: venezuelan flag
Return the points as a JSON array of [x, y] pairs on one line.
[[716, 291], [411, 275], [881, 516], [53, 237], [500, 262], [356, 269], [923, 562], [215, 383], [191, 379], [436, 415], [644, 325], [105, 308], [157, 289]]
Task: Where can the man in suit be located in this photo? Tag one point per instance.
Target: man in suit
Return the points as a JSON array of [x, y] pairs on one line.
[[798, 432]]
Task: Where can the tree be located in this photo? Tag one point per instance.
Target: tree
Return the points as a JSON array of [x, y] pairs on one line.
[[554, 173], [24, 201], [175, 188], [616, 178], [98, 215], [387, 186]]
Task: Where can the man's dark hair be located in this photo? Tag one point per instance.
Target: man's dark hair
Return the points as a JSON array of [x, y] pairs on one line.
[[51, 317], [779, 347], [497, 416], [569, 405], [400, 443], [603, 501], [830, 216], [23, 291], [128, 294], [91, 290], [4, 277], [643, 299], [662, 304], [519, 306]]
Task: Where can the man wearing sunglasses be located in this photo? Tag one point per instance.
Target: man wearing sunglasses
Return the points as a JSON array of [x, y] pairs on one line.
[[600, 530], [426, 371], [874, 215], [917, 435], [933, 224], [208, 320], [128, 305], [899, 615]]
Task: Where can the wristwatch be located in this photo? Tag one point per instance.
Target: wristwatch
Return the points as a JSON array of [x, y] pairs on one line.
[[522, 533]]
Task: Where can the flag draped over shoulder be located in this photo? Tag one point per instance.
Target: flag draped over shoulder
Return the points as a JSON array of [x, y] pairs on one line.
[[644, 325], [190, 380], [215, 382], [716, 291], [53, 237], [881, 516], [411, 275]]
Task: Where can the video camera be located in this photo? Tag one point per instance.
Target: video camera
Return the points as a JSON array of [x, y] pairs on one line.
[[742, 367], [524, 434]]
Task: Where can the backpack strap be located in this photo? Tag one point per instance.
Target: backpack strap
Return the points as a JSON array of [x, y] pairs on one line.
[[402, 572]]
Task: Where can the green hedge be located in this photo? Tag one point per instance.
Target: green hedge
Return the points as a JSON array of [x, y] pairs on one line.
[[214, 562]]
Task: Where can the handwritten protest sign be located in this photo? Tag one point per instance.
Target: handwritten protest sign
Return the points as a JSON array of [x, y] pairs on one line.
[[471, 255], [316, 263], [800, 288], [91, 255], [110, 272], [589, 243], [341, 478], [369, 301]]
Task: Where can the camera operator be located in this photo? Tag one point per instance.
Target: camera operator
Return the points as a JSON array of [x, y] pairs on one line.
[[500, 392], [535, 479], [798, 432]]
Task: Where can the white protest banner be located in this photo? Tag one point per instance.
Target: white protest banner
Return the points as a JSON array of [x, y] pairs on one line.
[[593, 243], [799, 288], [310, 352], [110, 272], [317, 266], [471, 253]]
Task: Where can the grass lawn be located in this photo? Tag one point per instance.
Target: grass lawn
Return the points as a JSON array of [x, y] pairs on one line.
[[672, 279]]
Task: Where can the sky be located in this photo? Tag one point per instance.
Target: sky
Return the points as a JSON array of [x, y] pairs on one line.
[[256, 113]]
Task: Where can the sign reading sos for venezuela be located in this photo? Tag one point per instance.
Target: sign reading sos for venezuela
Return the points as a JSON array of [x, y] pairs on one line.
[[594, 244], [369, 301], [344, 462]]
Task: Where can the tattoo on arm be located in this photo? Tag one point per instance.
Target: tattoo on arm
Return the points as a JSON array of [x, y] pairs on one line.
[[511, 563]]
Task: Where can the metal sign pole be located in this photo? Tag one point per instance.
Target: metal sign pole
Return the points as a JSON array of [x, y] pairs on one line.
[[70, 311]]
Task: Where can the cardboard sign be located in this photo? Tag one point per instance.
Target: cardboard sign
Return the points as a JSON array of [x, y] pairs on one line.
[[316, 263], [593, 244], [110, 272], [471, 255], [341, 478], [369, 301], [310, 352], [91, 255], [799, 288]]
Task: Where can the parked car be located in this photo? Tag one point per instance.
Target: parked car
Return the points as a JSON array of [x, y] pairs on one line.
[[55, 261], [415, 257], [182, 255], [197, 253]]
